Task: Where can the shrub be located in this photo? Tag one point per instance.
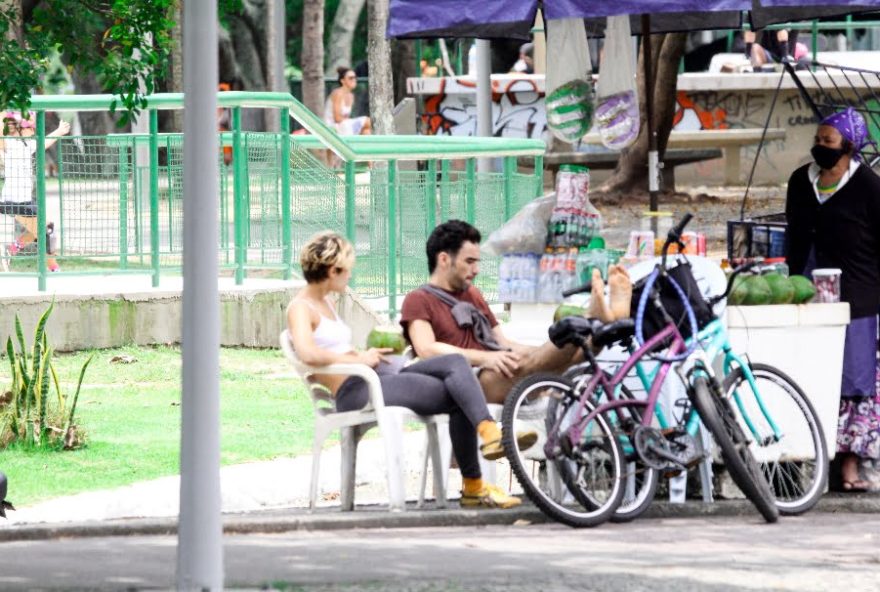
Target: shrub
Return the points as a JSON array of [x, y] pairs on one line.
[[29, 414]]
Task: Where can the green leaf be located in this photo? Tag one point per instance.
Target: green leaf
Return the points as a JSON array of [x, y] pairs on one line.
[[79, 382]]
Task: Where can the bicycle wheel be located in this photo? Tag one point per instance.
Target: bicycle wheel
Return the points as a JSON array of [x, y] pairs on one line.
[[795, 466], [595, 462], [718, 416], [640, 481]]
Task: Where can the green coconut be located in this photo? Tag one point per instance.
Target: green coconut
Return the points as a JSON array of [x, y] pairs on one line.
[[757, 291], [568, 310], [387, 337], [804, 290], [781, 289], [738, 291]]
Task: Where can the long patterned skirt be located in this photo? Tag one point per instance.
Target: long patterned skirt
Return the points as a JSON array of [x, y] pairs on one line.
[[858, 426]]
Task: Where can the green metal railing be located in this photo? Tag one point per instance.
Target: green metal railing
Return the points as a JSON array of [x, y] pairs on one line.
[[117, 201]]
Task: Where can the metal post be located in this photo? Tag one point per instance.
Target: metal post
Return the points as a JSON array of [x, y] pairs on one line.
[[286, 221], [123, 208], [154, 195], [350, 193], [484, 97], [431, 193], [41, 200], [392, 238], [60, 145], [200, 548], [470, 198], [239, 184], [653, 156], [445, 207], [539, 176], [509, 170]]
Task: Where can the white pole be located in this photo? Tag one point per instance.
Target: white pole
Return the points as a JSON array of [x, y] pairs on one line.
[[484, 97], [199, 541]]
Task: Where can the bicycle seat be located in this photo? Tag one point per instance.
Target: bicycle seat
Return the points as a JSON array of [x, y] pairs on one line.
[[606, 335], [572, 330]]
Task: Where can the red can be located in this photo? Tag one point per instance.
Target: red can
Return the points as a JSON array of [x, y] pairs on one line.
[[701, 244]]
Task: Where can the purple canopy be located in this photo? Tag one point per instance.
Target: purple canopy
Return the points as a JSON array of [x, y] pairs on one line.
[[489, 19]]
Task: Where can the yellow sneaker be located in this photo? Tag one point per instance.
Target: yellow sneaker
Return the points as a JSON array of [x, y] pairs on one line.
[[491, 496], [494, 450]]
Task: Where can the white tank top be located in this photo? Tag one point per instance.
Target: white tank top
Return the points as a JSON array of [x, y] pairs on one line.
[[331, 334]]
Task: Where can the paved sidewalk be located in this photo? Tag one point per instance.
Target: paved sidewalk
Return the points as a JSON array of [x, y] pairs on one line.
[[272, 496]]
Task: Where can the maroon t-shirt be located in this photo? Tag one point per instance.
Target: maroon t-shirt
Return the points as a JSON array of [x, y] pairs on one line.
[[419, 305]]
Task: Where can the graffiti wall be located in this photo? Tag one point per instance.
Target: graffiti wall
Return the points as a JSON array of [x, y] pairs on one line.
[[743, 101], [450, 106]]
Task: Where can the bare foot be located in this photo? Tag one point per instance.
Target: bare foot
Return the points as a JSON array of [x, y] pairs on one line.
[[598, 309], [620, 288]]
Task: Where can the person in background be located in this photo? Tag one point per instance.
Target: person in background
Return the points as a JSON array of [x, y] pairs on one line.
[[775, 47], [442, 384], [224, 123], [18, 198], [337, 111], [525, 64], [833, 214]]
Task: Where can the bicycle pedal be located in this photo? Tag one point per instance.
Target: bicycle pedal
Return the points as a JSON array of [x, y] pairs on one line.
[[694, 461]]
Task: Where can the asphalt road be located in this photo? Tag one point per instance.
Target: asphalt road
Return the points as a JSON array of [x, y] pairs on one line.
[[820, 551]]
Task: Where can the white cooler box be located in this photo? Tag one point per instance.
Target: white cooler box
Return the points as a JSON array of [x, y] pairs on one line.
[[804, 341]]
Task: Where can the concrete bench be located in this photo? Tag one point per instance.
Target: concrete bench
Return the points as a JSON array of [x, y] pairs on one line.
[[730, 140], [608, 160]]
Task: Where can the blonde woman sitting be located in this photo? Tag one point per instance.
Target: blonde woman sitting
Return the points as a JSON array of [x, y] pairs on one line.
[[443, 384]]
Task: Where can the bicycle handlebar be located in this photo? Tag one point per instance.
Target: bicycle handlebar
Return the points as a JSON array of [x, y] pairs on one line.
[[674, 236], [578, 290], [739, 270]]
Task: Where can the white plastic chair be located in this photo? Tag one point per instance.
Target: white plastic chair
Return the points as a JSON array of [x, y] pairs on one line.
[[354, 424]]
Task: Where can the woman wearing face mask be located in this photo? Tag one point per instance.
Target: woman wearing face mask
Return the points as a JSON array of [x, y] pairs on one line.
[[833, 213]]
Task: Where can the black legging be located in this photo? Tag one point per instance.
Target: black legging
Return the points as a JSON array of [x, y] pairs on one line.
[[445, 384]]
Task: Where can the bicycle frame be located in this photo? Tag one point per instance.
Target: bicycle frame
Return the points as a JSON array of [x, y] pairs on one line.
[[714, 342], [611, 386]]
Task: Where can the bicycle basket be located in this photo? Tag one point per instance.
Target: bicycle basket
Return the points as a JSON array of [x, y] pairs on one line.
[[654, 322]]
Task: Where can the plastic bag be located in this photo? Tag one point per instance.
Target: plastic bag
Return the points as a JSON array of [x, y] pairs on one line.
[[617, 104], [569, 99], [526, 232]]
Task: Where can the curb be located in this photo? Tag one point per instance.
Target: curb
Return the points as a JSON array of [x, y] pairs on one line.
[[373, 517]]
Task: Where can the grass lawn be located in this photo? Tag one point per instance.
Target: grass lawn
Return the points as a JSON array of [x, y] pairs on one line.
[[131, 414]]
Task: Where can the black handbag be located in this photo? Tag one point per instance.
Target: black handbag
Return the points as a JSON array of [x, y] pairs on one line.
[[654, 321]]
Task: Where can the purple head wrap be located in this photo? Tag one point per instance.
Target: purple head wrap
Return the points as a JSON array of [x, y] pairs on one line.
[[851, 126]]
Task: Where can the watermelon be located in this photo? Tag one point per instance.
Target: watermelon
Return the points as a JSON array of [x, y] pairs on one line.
[[387, 336], [738, 291], [568, 310], [804, 290], [758, 291], [781, 290]]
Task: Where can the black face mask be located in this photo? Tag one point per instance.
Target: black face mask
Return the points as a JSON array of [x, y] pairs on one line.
[[826, 157]]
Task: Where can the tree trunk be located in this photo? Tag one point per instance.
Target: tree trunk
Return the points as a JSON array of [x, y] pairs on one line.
[[403, 55], [175, 80], [16, 24], [342, 33], [379, 58], [313, 55], [631, 175]]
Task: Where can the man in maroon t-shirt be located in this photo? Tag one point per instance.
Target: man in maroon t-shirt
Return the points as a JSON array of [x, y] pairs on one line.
[[454, 261]]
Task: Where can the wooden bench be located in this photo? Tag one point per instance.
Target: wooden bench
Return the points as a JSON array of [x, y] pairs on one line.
[[730, 140]]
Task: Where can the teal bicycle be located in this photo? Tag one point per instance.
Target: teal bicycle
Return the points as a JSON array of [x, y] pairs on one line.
[[794, 460]]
